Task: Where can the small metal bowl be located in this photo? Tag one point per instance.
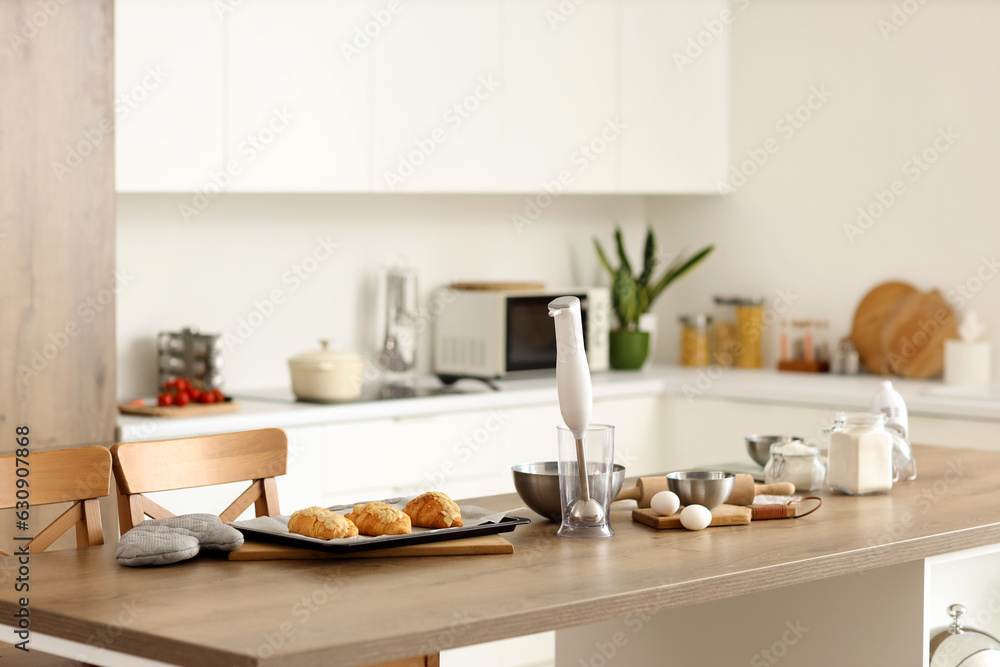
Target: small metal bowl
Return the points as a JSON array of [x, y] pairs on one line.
[[701, 487], [759, 446], [538, 486]]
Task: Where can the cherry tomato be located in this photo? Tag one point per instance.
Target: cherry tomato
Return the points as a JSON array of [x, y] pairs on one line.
[[165, 400], [195, 394], [183, 398], [169, 384], [219, 396], [182, 384], [208, 397]]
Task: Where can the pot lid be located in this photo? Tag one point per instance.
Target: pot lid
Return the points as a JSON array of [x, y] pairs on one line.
[[325, 356]]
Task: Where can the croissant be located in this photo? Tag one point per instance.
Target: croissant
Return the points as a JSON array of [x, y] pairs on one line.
[[379, 519], [434, 510], [321, 523]]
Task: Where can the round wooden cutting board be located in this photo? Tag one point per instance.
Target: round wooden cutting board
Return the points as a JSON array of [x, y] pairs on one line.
[[870, 319], [914, 334]]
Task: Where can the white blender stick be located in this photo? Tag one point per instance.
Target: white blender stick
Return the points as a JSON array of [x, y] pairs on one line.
[[576, 398]]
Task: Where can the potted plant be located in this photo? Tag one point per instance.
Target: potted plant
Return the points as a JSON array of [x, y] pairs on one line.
[[632, 295]]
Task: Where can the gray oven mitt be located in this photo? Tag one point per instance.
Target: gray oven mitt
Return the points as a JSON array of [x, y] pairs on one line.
[[164, 541]]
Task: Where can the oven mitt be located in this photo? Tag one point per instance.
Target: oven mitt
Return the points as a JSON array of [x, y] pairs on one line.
[[165, 541]]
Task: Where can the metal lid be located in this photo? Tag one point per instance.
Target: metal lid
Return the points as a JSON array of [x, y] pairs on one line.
[[726, 300], [698, 320], [754, 300]]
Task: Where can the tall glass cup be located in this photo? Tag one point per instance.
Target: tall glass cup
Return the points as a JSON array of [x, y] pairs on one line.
[[580, 518]]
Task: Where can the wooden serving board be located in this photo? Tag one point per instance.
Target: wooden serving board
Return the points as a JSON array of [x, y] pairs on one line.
[[470, 546], [870, 318], [723, 515], [189, 410]]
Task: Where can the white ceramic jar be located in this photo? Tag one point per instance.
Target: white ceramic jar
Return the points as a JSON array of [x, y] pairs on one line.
[[860, 454], [326, 376]]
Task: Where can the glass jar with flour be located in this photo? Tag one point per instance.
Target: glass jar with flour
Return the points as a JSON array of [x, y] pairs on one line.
[[860, 460], [795, 462]]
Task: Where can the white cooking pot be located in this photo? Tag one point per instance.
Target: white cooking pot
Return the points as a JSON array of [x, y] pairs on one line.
[[326, 375]]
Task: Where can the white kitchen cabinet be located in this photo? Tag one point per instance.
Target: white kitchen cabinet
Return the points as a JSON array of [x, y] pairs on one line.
[[419, 96], [298, 96], [674, 94], [560, 99], [408, 455], [436, 98], [169, 95]]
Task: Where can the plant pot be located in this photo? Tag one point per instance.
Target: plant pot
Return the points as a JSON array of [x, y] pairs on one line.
[[628, 349]]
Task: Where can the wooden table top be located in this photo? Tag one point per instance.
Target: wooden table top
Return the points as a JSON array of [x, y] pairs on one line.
[[213, 612]]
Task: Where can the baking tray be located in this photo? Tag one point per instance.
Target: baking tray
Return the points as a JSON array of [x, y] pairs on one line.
[[424, 536]]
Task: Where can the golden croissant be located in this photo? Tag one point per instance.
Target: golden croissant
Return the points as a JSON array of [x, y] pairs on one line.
[[434, 510], [379, 519], [321, 523]]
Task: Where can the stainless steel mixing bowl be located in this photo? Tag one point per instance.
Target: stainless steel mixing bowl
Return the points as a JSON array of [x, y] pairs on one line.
[[759, 446], [701, 487], [538, 486]]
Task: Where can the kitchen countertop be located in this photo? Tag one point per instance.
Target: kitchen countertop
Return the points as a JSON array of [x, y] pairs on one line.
[[923, 397], [209, 611]]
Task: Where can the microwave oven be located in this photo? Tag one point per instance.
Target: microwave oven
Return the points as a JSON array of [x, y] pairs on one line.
[[508, 333]]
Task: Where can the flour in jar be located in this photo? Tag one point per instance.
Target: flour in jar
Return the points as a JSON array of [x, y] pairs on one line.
[[860, 458]]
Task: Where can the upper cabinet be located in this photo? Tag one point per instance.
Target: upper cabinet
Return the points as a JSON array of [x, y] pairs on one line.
[[561, 77], [606, 96], [437, 98], [674, 95], [169, 95], [297, 101]]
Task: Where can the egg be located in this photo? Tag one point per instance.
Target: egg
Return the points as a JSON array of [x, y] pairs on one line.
[[665, 503], [696, 517]]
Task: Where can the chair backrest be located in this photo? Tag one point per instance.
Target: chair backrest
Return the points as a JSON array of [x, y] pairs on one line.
[[80, 476], [164, 465]]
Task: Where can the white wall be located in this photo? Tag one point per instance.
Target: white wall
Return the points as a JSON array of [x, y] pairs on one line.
[[785, 227], [782, 229], [210, 273]]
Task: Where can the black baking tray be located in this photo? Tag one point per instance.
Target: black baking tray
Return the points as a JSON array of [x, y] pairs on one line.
[[506, 525]]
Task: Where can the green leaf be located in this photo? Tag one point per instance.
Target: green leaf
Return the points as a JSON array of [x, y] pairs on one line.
[[648, 258], [625, 299], [677, 270], [604, 260], [621, 251]]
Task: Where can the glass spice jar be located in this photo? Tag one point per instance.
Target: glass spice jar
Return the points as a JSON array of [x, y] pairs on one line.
[[727, 339], [750, 328], [695, 349]]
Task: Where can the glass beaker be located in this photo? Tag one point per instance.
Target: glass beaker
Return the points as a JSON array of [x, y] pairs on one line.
[[597, 453]]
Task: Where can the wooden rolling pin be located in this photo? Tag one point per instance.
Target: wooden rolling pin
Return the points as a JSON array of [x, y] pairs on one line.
[[743, 493]]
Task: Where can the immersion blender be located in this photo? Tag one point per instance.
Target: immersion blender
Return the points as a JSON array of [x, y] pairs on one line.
[[575, 395]]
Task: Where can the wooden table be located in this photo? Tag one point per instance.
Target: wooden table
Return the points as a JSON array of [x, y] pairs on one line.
[[212, 612]]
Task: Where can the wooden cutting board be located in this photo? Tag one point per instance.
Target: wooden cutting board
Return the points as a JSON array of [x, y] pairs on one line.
[[870, 319], [723, 515], [470, 546], [914, 333], [189, 410]]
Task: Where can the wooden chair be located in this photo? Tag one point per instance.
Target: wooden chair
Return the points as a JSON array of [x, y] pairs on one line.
[[79, 476], [164, 465]]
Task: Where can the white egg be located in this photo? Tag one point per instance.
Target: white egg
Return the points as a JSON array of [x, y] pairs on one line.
[[696, 517], [665, 503]]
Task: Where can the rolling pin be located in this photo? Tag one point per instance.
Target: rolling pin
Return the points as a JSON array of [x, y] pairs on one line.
[[744, 490], [743, 493]]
